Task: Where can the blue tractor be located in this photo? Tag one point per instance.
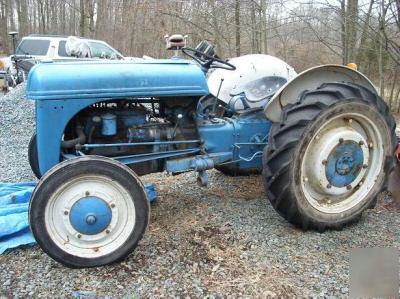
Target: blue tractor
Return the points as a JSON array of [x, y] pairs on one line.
[[323, 141]]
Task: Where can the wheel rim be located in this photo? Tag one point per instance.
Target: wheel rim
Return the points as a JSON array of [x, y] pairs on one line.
[[90, 216], [342, 163]]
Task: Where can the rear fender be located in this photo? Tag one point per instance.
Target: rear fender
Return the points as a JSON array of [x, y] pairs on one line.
[[311, 79]]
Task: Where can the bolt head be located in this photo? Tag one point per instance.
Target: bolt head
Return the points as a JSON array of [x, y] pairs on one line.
[[341, 140], [324, 162], [361, 143], [87, 193], [305, 179], [365, 166], [348, 187], [107, 231], [65, 212], [79, 236], [329, 186], [113, 205]]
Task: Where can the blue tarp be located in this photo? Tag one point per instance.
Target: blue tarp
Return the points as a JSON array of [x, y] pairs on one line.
[[14, 204], [14, 226]]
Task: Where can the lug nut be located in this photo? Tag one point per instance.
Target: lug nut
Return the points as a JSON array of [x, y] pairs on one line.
[[65, 212], [348, 187], [341, 140], [350, 121], [365, 166], [361, 143], [87, 193], [305, 179], [107, 231], [113, 205], [79, 236], [329, 186], [370, 145], [324, 162]]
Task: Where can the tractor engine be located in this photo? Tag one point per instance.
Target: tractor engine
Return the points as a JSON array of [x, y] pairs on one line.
[[123, 128]]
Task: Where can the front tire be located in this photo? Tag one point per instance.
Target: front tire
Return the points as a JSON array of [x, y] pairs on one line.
[[33, 156], [329, 156], [88, 212]]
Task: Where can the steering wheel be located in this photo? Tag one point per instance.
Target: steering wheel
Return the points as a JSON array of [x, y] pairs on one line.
[[209, 62]]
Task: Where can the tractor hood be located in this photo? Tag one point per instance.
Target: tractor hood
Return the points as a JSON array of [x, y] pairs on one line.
[[115, 79]]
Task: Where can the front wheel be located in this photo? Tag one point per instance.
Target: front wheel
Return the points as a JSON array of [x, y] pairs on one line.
[[330, 156], [33, 156], [89, 211]]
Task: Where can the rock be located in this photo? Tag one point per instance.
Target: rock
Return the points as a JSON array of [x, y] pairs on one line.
[[7, 283]]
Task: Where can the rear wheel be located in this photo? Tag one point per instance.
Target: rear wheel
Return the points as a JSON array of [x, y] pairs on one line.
[[329, 156], [89, 211]]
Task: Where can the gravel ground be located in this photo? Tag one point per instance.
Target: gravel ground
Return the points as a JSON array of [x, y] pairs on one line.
[[222, 241]]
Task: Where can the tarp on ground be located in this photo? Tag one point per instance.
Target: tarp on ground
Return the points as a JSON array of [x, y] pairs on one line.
[[14, 225]]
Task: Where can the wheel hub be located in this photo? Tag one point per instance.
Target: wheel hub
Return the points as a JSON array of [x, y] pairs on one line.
[[344, 163], [90, 215]]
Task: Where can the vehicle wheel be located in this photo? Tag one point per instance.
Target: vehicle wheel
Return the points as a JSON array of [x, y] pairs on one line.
[[33, 156], [89, 211], [329, 156]]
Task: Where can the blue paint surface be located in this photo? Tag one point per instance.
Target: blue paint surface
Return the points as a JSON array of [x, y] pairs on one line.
[[344, 164], [109, 124], [115, 79], [244, 136], [59, 98], [90, 215]]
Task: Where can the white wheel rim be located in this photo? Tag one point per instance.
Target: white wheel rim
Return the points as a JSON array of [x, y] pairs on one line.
[[69, 239], [355, 131]]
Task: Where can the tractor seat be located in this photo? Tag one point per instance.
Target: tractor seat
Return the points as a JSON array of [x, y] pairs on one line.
[[175, 42]]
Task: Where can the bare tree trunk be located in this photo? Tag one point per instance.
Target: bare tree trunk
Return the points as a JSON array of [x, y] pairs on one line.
[[237, 27], [253, 26], [263, 6], [3, 24], [391, 97], [217, 39], [82, 21], [62, 17], [343, 33], [351, 28], [22, 17], [359, 53], [91, 5]]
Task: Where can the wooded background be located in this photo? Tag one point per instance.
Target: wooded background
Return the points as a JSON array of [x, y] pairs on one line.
[[302, 33]]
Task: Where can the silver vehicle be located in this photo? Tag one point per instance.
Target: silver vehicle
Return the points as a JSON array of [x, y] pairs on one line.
[[35, 48]]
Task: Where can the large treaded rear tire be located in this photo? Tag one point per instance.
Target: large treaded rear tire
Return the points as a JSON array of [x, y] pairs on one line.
[[284, 152]]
